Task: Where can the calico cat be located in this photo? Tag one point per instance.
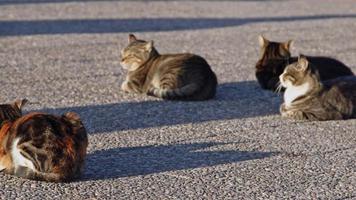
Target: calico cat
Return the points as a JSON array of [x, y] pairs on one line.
[[41, 146], [275, 56], [307, 98], [172, 76]]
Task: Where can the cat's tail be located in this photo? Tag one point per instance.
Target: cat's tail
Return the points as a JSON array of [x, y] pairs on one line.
[[184, 93], [25, 172]]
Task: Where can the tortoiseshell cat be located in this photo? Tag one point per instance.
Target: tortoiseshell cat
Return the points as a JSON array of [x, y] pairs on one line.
[[40, 146], [306, 97], [275, 56], [172, 76]]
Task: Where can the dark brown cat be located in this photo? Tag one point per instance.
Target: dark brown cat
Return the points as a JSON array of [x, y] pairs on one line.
[[306, 97], [173, 76], [40, 146], [275, 56]]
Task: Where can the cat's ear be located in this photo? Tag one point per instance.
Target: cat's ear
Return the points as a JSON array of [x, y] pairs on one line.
[[287, 45], [302, 63], [132, 38], [149, 45], [20, 103], [72, 117], [262, 41]]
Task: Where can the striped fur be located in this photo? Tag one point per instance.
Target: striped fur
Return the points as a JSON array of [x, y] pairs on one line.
[[307, 98], [170, 76], [43, 147], [275, 56]]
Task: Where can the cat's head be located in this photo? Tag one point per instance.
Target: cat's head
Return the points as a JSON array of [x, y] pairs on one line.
[[274, 50], [136, 53], [299, 73], [12, 111]]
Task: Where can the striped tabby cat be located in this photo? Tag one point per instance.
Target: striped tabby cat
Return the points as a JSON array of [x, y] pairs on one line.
[[306, 97], [171, 76], [41, 146], [275, 56]]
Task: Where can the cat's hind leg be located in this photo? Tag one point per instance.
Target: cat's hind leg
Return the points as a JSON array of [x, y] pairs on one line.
[[5, 162]]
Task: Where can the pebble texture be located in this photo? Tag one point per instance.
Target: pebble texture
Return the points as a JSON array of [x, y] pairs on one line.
[[63, 56]]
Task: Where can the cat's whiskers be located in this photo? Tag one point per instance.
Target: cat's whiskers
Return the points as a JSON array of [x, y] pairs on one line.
[[279, 87]]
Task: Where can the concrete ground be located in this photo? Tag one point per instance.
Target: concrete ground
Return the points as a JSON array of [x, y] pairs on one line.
[[64, 56]]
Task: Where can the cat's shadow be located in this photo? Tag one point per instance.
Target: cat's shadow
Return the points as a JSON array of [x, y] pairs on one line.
[[233, 101], [145, 160]]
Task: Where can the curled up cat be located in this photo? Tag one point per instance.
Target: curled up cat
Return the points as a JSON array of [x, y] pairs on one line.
[[169, 76], [275, 56], [41, 146], [307, 98]]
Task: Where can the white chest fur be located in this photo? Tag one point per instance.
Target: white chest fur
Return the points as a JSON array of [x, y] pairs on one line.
[[293, 92]]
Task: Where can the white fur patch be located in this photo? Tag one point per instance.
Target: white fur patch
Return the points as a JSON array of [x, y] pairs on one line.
[[293, 92], [18, 159]]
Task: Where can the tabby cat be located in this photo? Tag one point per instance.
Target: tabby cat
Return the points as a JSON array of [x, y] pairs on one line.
[[40, 146], [307, 98], [172, 76], [275, 56]]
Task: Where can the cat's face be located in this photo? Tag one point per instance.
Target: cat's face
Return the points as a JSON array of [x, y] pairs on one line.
[[136, 53], [296, 74], [11, 111], [274, 50]]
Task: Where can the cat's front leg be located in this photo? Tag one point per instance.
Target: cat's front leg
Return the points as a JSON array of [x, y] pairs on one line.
[[131, 87], [293, 114], [125, 87]]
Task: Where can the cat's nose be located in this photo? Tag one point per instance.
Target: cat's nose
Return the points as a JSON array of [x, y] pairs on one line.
[[281, 77]]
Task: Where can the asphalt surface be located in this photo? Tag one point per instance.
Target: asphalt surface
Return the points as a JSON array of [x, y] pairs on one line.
[[64, 56]]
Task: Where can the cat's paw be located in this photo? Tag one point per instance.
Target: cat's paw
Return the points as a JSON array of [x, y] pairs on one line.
[[283, 108], [125, 87], [287, 114], [297, 115]]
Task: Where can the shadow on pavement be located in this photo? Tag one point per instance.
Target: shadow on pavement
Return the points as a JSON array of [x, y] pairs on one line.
[[69, 26], [233, 100], [134, 161]]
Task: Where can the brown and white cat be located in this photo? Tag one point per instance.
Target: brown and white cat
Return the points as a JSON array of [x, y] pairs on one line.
[[171, 76], [307, 98], [275, 56], [41, 146]]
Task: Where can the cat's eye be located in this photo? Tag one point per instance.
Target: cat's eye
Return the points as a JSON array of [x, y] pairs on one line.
[[126, 57], [290, 78]]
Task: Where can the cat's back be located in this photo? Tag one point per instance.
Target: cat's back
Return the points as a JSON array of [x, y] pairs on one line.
[[329, 68], [182, 60], [37, 122], [345, 83], [342, 87], [49, 126]]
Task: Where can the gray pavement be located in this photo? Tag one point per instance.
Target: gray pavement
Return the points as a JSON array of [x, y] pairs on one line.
[[64, 56]]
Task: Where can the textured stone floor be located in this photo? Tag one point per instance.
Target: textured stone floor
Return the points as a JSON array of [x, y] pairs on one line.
[[64, 56]]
